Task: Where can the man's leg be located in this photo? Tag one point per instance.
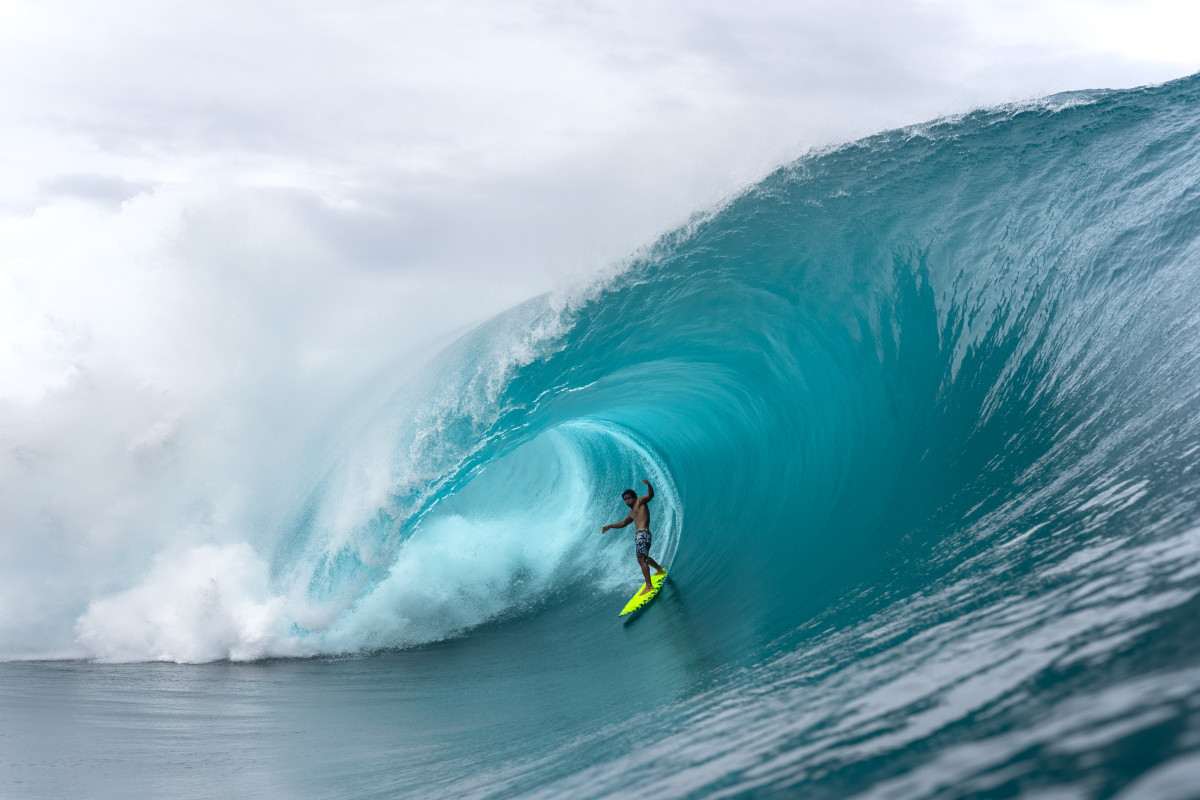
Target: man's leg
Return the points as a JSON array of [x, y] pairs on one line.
[[658, 569], [645, 571]]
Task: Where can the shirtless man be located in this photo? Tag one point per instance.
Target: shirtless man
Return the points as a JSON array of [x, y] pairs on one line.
[[639, 513]]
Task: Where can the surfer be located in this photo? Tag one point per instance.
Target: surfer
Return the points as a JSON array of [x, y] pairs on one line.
[[640, 514]]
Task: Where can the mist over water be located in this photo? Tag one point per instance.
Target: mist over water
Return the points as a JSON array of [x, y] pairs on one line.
[[922, 416]]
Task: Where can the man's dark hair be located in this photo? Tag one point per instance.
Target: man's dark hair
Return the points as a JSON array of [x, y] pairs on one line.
[[628, 492]]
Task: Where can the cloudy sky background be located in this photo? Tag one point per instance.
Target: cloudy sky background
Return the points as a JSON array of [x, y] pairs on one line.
[[217, 219], [531, 137]]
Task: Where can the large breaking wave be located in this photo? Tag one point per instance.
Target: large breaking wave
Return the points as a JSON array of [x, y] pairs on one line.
[[922, 411]]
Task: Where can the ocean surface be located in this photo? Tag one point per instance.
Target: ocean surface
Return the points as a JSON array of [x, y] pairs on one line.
[[922, 413]]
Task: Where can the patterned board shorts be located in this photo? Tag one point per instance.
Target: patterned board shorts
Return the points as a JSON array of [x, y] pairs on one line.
[[641, 543]]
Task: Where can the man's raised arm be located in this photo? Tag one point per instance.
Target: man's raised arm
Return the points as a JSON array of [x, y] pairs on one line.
[[649, 492], [620, 524]]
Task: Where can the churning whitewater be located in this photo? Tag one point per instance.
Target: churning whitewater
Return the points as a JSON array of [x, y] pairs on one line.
[[923, 417]]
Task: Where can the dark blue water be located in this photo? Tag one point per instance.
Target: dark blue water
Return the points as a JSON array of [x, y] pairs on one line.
[[923, 416]]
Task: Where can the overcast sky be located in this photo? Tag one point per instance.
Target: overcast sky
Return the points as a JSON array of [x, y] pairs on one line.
[[532, 137]]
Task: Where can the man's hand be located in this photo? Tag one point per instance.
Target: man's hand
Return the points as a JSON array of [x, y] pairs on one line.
[[604, 529]]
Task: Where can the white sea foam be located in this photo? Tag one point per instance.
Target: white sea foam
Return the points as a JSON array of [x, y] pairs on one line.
[[204, 604], [531, 528]]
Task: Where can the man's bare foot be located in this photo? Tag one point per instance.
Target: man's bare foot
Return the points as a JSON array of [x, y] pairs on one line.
[[645, 589], [661, 572]]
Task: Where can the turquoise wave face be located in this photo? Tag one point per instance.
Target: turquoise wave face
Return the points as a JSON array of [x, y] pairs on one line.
[[922, 415]]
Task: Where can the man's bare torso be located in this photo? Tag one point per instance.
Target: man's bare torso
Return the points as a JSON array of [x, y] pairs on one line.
[[640, 514]]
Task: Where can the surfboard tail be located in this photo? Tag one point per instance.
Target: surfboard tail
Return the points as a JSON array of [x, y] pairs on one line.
[[641, 598]]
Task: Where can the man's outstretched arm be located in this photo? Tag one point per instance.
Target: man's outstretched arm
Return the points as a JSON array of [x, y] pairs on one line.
[[620, 524], [649, 493]]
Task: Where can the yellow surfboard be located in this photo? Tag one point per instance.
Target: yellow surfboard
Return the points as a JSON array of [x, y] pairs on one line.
[[640, 599]]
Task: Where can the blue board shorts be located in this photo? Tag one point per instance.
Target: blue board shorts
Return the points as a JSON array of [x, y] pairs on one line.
[[641, 543]]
